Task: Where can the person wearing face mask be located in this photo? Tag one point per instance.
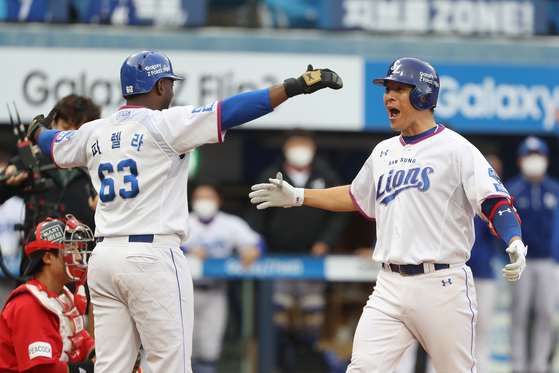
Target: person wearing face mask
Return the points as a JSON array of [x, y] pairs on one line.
[[214, 234], [311, 232], [535, 195]]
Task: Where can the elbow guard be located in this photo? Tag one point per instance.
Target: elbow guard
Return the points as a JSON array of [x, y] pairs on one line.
[[506, 224]]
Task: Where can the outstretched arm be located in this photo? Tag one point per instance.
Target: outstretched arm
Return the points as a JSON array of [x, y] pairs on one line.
[[244, 107], [332, 199], [279, 193]]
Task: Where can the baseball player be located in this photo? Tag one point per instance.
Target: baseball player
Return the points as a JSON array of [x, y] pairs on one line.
[[423, 188], [535, 194], [138, 158], [42, 323], [214, 234]]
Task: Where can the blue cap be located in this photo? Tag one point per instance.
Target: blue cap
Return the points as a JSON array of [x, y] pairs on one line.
[[532, 144]]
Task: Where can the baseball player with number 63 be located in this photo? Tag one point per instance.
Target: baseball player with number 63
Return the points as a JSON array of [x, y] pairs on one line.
[[423, 188], [138, 159]]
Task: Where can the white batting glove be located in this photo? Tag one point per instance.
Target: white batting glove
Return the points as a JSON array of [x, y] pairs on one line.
[[276, 194], [517, 253]]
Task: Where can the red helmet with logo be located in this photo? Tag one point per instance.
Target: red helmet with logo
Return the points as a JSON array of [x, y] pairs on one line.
[[69, 236]]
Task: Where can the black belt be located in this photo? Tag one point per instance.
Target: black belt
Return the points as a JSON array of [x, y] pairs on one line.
[[412, 269], [135, 238]]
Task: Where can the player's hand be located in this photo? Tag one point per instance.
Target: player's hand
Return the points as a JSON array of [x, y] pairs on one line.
[[200, 252], [517, 253], [276, 194], [17, 178], [364, 252], [311, 81], [93, 202], [249, 255], [319, 249], [38, 122]]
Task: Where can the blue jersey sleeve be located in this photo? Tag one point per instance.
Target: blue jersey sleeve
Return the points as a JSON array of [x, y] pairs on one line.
[[46, 138], [244, 107]]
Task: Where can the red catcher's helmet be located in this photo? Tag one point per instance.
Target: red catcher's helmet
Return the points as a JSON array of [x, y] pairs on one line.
[[69, 236]]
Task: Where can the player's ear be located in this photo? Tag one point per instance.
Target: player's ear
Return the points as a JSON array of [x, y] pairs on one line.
[[160, 87]]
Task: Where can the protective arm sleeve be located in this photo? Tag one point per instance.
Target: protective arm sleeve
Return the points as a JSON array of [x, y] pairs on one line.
[[503, 218], [46, 138], [243, 108]]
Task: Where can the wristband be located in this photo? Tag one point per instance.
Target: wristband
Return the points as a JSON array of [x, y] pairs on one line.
[[298, 196]]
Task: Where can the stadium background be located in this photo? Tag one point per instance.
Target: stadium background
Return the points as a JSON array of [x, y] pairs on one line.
[[499, 60]]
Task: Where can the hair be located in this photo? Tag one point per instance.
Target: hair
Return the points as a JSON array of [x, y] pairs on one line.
[[77, 110], [39, 267], [210, 182], [298, 132]]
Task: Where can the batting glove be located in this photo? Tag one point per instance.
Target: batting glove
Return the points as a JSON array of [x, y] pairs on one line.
[[311, 81], [517, 253], [40, 121], [276, 194]]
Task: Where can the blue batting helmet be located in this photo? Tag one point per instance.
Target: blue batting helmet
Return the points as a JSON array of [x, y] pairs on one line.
[[419, 74], [142, 70]]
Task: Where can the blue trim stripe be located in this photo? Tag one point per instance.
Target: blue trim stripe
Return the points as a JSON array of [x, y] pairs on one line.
[[180, 306], [472, 322]]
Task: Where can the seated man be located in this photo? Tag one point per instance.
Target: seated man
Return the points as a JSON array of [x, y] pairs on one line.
[[42, 323]]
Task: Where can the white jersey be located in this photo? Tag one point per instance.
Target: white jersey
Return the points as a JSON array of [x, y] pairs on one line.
[[222, 235], [138, 161], [424, 196]]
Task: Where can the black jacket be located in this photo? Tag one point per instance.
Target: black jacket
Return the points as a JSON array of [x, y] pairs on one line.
[[294, 230], [69, 195]]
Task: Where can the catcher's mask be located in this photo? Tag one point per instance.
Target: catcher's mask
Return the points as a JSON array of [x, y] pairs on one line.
[[69, 236]]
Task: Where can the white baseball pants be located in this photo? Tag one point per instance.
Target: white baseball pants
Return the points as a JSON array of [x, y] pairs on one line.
[[439, 309], [142, 295], [211, 310]]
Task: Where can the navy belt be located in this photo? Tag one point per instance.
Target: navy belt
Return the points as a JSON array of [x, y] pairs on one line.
[[412, 269], [135, 238]]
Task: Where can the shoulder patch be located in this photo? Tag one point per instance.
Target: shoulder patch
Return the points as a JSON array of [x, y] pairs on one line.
[[37, 349], [64, 135]]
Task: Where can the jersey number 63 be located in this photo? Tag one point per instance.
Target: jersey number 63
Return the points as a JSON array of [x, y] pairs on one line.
[[107, 191]]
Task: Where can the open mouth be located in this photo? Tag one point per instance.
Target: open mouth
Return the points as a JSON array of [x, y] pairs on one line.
[[393, 113]]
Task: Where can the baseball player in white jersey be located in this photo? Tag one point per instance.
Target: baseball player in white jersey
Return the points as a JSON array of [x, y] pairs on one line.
[[423, 188], [138, 158], [214, 234]]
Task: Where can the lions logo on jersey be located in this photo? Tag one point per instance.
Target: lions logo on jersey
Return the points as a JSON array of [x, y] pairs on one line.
[[396, 183]]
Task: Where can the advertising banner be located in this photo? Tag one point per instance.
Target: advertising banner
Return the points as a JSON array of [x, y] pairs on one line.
[[460, 17], [482, 98], [36, 84], [329, 268]]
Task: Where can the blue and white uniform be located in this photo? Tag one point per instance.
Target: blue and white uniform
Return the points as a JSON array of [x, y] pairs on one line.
[[423, 191], [219, 237], [140, 283]]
